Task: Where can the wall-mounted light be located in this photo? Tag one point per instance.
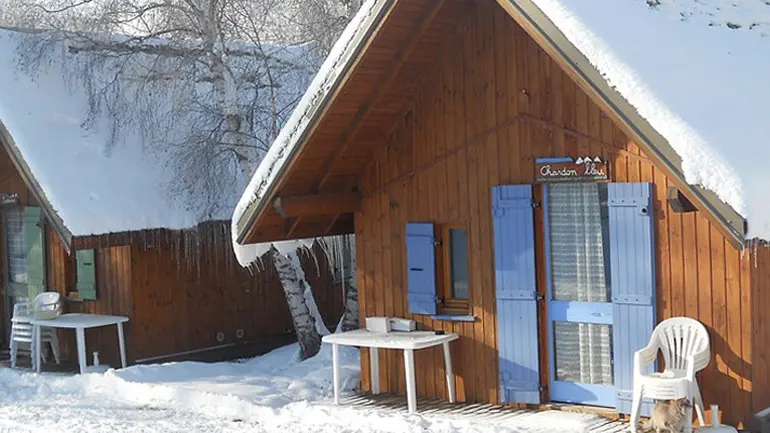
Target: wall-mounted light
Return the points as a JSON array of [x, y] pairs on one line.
[[679, 203]]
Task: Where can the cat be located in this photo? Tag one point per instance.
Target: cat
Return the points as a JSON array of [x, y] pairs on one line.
[[667, 416]]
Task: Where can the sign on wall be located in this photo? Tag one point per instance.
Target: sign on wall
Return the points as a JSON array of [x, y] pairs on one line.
[[582, 169]]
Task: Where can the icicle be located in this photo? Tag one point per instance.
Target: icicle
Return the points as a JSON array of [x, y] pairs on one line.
[[177, 247], [311, 251]]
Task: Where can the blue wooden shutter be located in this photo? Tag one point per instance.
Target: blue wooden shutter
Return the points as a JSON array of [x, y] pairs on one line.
[[516, 293], [632, 271], [421, 268], [33, 241], [86, 274]]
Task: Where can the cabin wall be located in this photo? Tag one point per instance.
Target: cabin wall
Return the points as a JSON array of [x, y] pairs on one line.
[[114, 297], [760, 296], [184, 296], [10, 182], [180, 294], [492, 104]]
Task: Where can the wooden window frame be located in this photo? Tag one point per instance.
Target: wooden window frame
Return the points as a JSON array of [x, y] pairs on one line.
[[447, 304]]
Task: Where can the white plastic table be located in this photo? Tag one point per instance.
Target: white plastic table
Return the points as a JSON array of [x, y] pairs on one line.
[[406, 341], [79, 322]]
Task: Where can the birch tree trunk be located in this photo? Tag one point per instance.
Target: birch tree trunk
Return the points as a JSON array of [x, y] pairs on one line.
[[312, 307], [350, 318], [304, 323]]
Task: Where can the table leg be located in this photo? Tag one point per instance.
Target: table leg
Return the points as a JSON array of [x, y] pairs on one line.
[[374, 368], [411, 388], [336, 372], [80, 335], [450, 385], [36, 349], [122, 342]]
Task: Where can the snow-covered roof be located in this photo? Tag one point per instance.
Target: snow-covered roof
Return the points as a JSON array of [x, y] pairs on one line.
[[697, 71], [694, 71], [327, 78], [93, 187]]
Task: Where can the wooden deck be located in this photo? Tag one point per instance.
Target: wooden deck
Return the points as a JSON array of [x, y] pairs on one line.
[[486, 413]]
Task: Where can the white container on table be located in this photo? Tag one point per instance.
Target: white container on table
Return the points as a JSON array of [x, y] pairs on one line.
[[377, 324]]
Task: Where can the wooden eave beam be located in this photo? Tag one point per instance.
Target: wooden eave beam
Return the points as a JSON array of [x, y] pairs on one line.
[[308, 229], [317, 204], [366, 108]]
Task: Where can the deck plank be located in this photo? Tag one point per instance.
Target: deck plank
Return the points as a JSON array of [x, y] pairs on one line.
[[481, 412]]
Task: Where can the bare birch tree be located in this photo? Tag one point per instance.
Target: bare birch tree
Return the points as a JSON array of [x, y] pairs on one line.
[[305, 322]]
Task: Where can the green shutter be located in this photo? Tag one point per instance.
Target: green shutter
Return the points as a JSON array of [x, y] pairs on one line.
[[86, 274], [33, 240]]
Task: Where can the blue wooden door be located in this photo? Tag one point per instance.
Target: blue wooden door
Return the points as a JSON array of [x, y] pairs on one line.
[[580, 310], [516, 294]]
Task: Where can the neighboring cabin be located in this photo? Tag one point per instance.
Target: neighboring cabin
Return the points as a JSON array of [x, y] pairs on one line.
[[99, 226], [453, 138]]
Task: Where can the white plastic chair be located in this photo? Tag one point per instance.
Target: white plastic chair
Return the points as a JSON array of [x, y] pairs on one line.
[[46, 305], [686, 350], [21, 335]]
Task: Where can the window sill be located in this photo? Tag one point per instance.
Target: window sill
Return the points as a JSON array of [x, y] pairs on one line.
[[453, 318], [76, 299]]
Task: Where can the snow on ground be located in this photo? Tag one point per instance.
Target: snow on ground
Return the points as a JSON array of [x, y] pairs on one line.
[[271, 393], [698, 72]]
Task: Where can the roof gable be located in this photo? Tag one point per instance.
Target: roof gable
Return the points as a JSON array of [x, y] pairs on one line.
[[88, 185], [693, 89], [254, 202]]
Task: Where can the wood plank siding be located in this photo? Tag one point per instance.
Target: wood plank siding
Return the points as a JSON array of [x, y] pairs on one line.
[[489, 103], [179, 294]]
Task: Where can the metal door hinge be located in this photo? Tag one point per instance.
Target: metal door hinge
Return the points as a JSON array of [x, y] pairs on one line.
[[543, 388], [540, 297], [536, 203]]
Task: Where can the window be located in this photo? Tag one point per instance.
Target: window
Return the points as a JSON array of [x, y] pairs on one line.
[[15, 246], [578, 219], [452, 268]]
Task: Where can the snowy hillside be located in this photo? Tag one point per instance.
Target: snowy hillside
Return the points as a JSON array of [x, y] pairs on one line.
[[698, 72], [95, 183]]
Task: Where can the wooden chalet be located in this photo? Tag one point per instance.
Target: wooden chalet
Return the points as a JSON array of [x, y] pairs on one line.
[[183, 290], [100, 228], [498, 188]]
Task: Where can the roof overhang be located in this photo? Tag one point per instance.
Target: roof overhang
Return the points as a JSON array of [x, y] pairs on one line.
[[25, 172], [554, 42], [256, 207]]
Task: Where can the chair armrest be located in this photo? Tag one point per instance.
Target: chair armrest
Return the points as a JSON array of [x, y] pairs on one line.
[[644, 357], [702, 358]]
